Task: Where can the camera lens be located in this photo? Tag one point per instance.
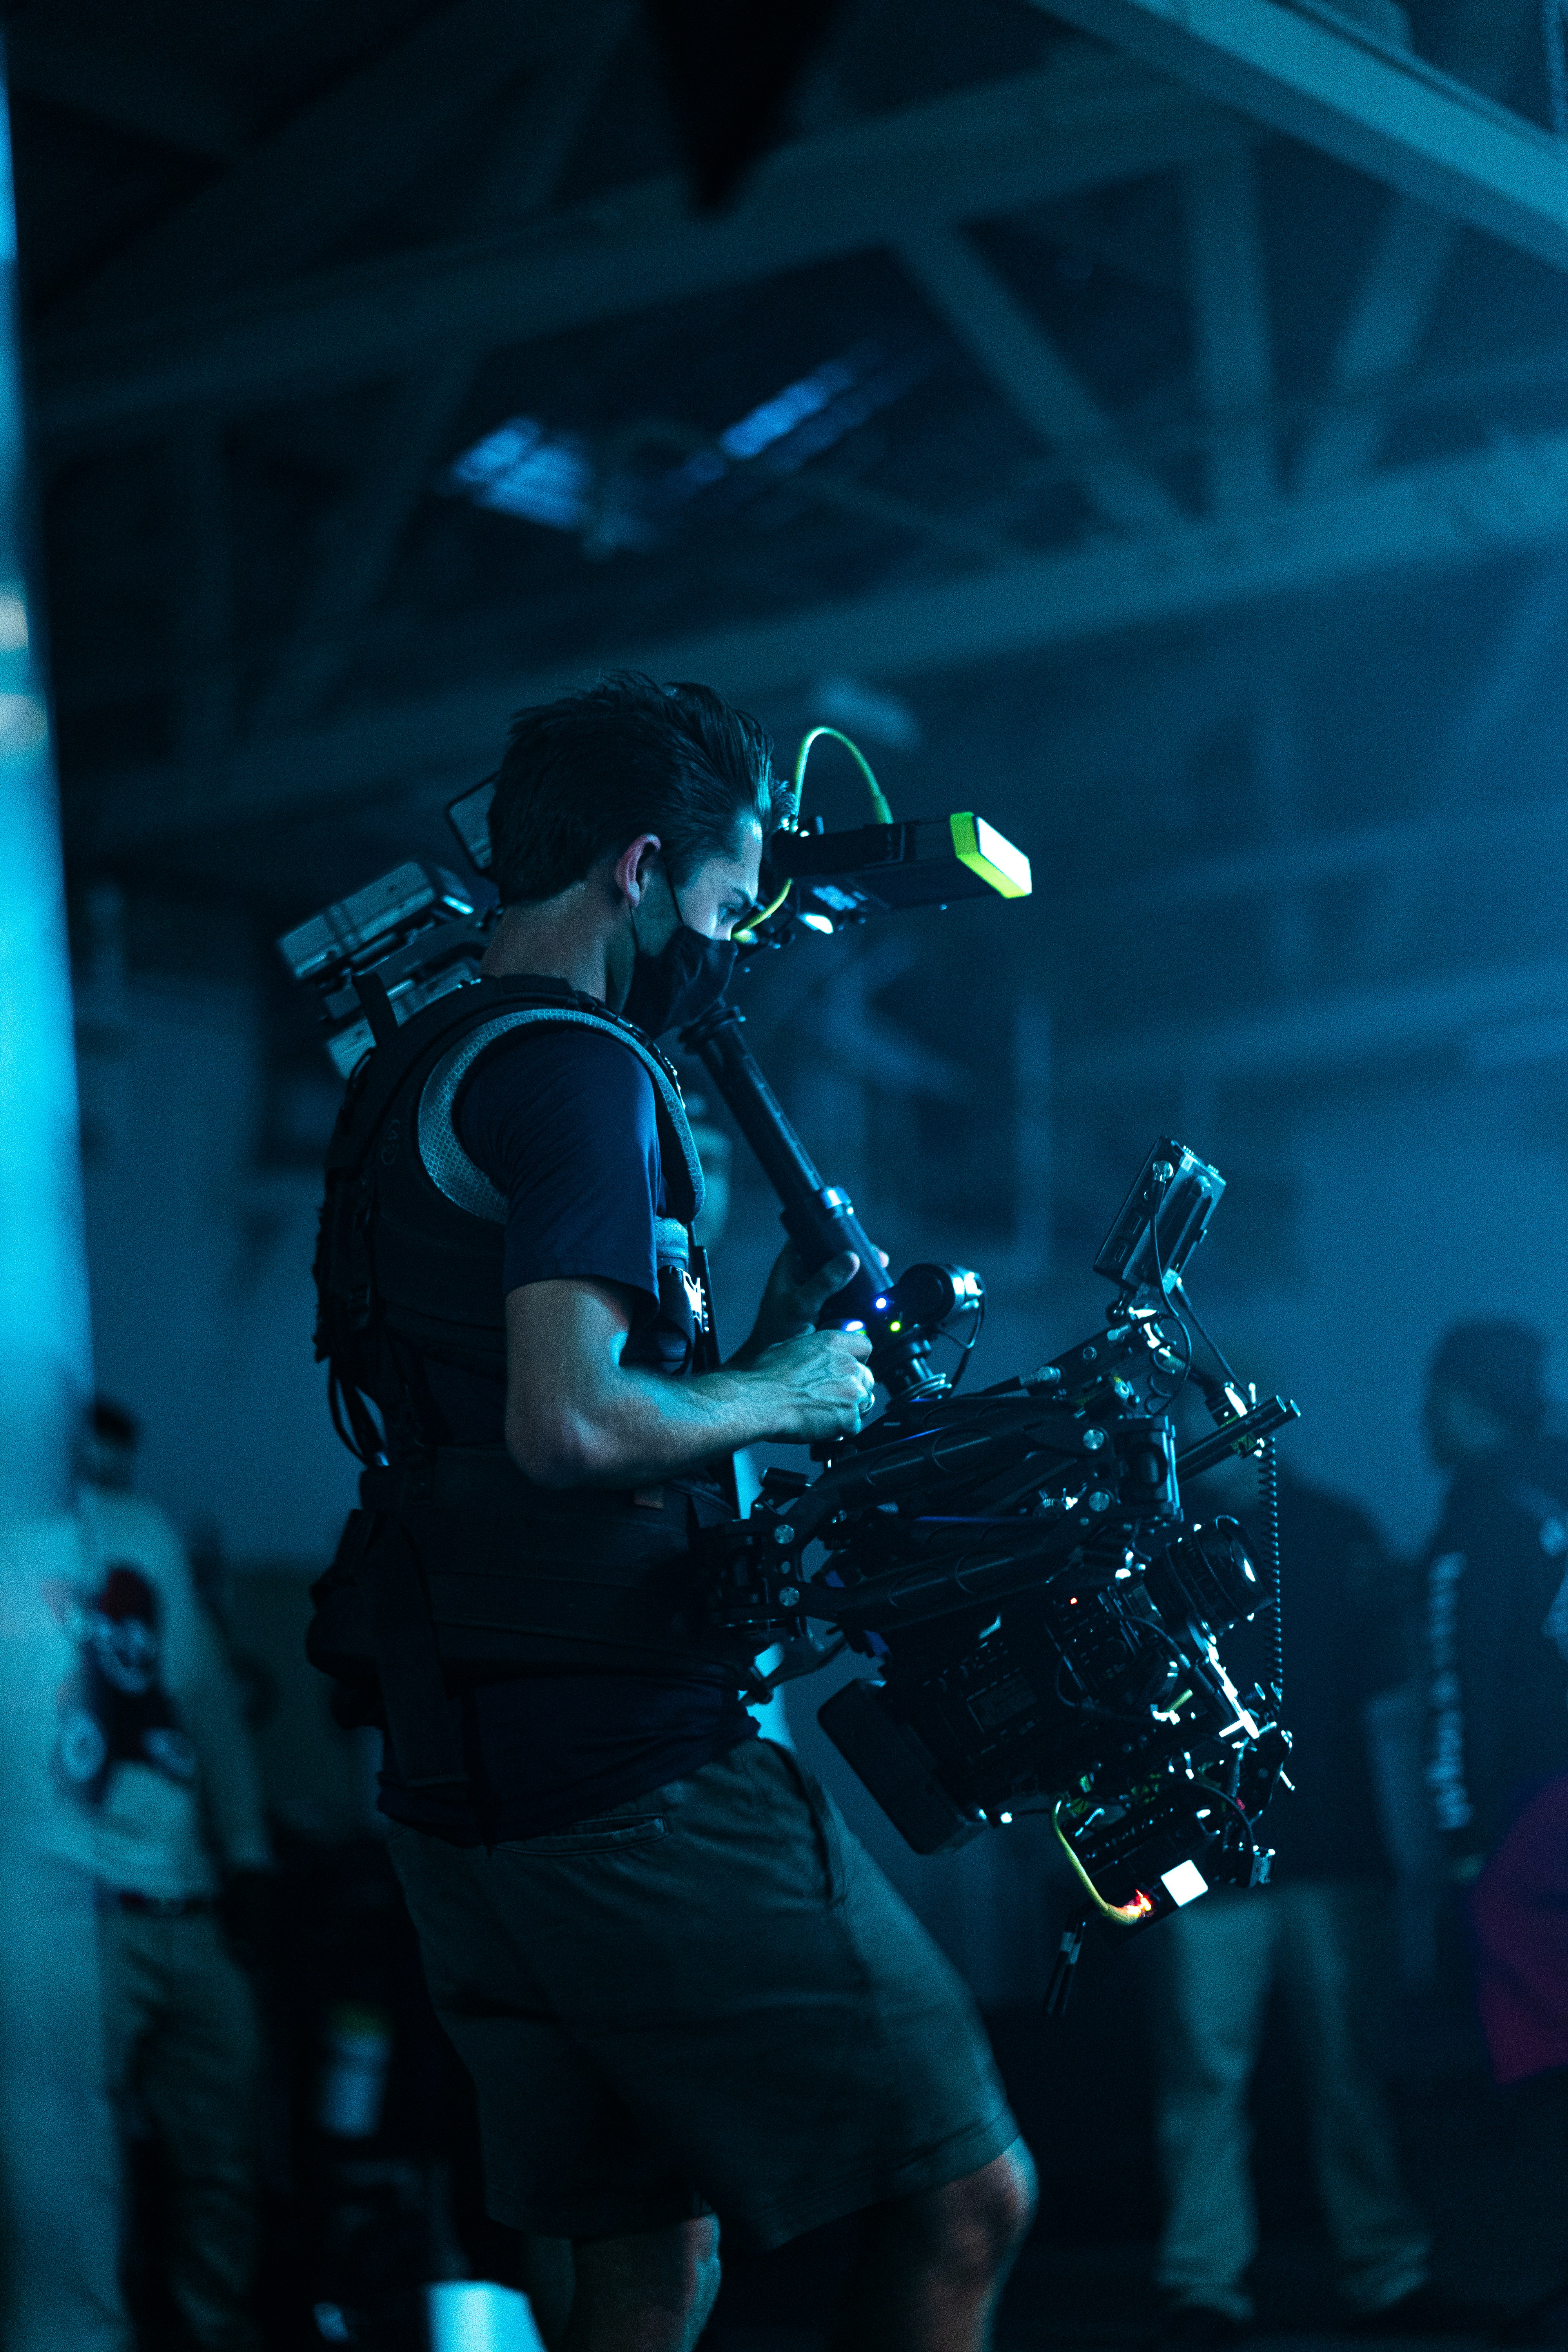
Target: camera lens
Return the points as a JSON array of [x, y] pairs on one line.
[[1206, 1577]]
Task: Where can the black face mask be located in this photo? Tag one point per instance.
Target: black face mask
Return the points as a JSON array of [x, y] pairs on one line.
[[676, 987]]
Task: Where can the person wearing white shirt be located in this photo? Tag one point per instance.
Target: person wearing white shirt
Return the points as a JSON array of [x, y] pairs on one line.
[[153, 1746]]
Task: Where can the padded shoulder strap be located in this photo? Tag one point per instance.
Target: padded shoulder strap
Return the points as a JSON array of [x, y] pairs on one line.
[[446, 1164], [375, 1083], [380, 1077]]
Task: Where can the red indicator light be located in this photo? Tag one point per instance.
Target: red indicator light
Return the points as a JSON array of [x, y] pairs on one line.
[[1139, 1909]]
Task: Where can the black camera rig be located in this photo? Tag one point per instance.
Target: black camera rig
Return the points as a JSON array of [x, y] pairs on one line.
[[1044, 1616]]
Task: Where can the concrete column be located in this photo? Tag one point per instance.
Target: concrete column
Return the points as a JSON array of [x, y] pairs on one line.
[[58, 2193]]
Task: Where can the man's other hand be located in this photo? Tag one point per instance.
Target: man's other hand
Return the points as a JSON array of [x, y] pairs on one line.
[[821, 1380], [794, 1300]]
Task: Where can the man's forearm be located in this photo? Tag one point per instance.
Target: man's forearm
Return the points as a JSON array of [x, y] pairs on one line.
[[642, 1427], [578, 1416]]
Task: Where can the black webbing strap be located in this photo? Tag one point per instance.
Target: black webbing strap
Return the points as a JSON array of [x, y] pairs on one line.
[[420, 1714], [352, 1419], [706, 1357], [377, 1082]]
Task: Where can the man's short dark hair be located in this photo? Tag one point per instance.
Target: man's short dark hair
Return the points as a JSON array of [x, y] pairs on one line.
[[582, 777], [1501, 1363]]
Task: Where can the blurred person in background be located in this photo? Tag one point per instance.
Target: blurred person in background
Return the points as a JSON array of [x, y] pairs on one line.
[[1497, 1638], [1318, 1930], [153, 1746]]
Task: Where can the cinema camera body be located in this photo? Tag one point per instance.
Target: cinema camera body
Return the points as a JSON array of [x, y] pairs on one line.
[[1044, 1616]]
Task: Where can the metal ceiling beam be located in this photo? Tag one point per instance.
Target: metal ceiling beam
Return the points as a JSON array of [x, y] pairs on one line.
[[1382, 332], [1512, 668], [329, 166], [543, 127], [364, 535], [1308, 71], [1234, 345], [1280, 770], [1014, 349], [985, 150], [1460, 511], [1386, 323], [122, 82], [1403, 845], [360, 538], [202, 556], [113, 674], [1336, 1030]]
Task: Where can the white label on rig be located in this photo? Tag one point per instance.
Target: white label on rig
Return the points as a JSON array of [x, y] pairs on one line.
[[1184, 1884]]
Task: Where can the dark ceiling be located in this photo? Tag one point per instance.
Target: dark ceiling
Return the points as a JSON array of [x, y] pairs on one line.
[[1166, 499]]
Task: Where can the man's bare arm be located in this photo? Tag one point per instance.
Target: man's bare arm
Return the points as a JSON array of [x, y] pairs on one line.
[[577, 1416]]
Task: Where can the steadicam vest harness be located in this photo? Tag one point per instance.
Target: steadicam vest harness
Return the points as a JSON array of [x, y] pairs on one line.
[[455, 1566]]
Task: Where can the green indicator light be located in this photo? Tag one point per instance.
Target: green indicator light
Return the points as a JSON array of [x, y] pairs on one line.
[[990, 854]]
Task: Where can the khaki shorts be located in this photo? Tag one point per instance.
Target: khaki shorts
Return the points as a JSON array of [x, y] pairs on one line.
[[709, 1997]]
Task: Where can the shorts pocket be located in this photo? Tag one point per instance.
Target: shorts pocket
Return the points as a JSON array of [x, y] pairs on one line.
[[826, 1826], [609, 1835]]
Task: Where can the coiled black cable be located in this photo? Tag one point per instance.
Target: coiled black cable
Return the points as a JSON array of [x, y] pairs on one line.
[[1268, 1505]]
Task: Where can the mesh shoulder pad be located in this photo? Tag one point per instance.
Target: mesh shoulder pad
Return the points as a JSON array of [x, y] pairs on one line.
[[452, 1172]]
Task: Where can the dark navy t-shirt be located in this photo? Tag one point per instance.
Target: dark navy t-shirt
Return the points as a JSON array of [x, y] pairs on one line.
[[563, 1121]]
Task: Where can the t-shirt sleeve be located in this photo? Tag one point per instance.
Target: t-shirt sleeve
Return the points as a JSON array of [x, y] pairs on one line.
[[562, 1122]]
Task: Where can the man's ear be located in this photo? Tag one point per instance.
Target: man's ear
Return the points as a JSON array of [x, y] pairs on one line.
[[634, 865]]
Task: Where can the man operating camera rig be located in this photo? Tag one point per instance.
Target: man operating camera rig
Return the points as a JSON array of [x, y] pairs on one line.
[[683, 1991]]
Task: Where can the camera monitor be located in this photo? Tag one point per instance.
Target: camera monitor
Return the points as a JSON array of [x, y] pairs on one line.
[[1161, 1221]]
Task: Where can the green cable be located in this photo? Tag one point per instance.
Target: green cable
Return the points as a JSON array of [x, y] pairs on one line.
[[881, 813], [1126, 1914]]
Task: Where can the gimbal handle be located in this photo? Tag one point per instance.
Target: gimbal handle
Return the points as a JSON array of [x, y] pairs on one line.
[[819, 1218]]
